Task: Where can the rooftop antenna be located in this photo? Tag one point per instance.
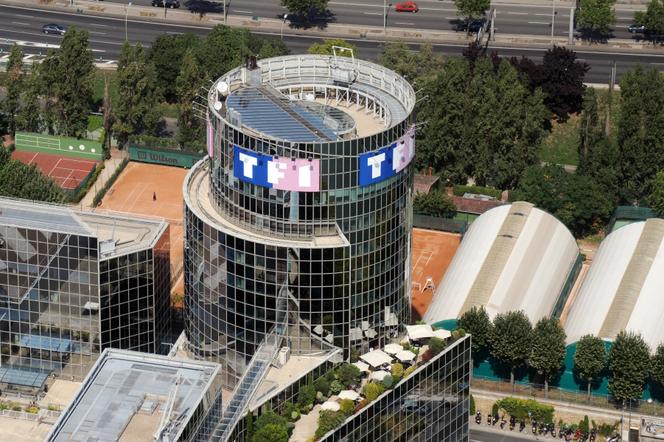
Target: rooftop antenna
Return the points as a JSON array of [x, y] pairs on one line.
[[159, 435]]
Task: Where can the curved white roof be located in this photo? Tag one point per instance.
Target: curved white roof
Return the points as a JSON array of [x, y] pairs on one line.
[[513, 257], [624, 287]]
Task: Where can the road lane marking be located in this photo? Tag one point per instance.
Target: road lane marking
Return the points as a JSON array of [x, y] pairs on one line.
[[404, 23], [516, 13], [25, 16], [451, 18], [372, 13], [539, 23], [97, 33], [20, 23], [241, 11], [99, 25]]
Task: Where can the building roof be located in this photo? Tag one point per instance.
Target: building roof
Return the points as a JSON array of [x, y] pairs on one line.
[[424, 183], [125, 394], [623, 288], [121, 233], [513, 257]]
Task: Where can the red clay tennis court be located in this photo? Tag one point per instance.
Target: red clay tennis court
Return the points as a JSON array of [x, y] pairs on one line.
[[432, 253], [67, 172]]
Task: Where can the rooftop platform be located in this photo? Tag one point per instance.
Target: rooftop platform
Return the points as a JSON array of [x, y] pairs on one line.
[[127, 233], [125, 394]]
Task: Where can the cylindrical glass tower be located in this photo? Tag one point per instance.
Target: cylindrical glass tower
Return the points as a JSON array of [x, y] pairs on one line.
[[298, 223]]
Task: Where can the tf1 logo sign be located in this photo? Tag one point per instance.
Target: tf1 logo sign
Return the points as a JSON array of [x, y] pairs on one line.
[[388, 161], [278, 173]]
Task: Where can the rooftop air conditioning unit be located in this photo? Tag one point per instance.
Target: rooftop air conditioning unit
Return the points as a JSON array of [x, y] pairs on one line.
[[283, 356]]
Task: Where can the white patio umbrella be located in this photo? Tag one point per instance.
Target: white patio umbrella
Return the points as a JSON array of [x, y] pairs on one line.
[[330, 405], [376, 358], [379, 375], [392, 349], [349, 394], [441, 334], [405, 356], [362, 366]]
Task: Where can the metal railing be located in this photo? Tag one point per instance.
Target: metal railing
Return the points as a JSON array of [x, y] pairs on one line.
[[649, 407]]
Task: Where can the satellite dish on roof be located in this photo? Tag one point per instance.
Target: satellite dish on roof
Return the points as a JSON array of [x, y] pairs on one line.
[[222, 88], [217, 105]]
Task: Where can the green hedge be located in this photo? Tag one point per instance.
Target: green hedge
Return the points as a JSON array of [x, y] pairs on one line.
[[83, 190], [519, 408], [107, 185], [460, 190]]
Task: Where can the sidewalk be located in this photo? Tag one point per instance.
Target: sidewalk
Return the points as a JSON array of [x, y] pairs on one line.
[[274, 26]]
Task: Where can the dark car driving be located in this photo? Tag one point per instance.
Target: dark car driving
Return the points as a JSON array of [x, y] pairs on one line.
[[637, 29], [173, 4], [473, 26], [52, 28]]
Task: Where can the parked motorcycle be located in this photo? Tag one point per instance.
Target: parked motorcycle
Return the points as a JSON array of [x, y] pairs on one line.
[[478, 418]]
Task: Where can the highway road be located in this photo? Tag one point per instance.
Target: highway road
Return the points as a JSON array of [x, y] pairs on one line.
[[433, 14], [108, 34]]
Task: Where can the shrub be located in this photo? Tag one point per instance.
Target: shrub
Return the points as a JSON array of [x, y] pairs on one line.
[[32, 409], [348, 374], [271, 433], [372, 390], [606, 429], [458, 333], [354, 355], [347, 407], [327, 421], [519, 408], [336, 387], [91, 180], [436, 345], [397, 372], [15, 406], [107, 185], [409, 371], [306, 396], [460, 190], [584, 424], [270, 418], [427, 355], [291, 411], [323, 385], [472, 405], [4, 406], [388, 381]]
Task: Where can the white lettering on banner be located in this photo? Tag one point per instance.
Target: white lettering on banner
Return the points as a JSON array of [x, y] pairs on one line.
[[375, 163], [304, 176], [249, 163], [275, 171]]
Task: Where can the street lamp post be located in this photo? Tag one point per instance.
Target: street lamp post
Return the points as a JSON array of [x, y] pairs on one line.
[[282, 25], [384, 16], [126, 15]]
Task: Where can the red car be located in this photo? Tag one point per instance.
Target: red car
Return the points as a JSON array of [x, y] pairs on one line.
[[406, 7]]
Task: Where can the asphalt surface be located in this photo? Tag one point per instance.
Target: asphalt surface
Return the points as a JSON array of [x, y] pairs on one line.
[[480, 435], [108, 34], [433, 14]]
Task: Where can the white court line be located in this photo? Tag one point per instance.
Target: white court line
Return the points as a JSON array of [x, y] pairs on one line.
[[54, 167]]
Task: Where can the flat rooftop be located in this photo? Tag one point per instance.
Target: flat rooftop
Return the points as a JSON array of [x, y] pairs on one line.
[[125, 394], [126, 232]]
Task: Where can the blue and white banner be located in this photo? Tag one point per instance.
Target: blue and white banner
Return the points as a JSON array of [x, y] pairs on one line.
[[387, 162], [298, 175]]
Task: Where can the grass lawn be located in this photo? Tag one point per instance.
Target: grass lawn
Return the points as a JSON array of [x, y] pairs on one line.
[[98, 86], [167, 110], [467, 217], [561, 146], [95, 122]]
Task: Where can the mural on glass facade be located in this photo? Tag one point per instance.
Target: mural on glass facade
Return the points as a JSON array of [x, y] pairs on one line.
[[313, 255]]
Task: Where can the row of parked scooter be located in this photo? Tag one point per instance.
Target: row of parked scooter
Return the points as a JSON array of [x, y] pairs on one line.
[[541, 428]]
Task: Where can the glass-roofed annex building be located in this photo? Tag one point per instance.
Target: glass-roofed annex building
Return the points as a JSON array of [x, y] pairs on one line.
[[73, 283], [298, 224]]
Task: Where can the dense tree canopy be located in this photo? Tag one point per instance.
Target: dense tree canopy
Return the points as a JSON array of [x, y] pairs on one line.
[[589, 358], [305, 7], [434, 203], [476, 321], [472, 8], [19, 180], [415, 66], [511, 339], [657, 367], [548, 349], [15, 77], [188, 85], [629, 360], [576, 200], [167, 55], [327, 47], [484, 124], [596, 15], [653, 17], [640, 131], [656, 197]]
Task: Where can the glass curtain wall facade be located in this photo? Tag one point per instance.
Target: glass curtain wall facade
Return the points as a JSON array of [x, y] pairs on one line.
[[431, 405], [61, 304], [335, 262]]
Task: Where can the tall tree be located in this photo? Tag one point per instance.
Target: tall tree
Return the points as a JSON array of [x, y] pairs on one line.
[[652, 18], [224, 49], [137, 95], [189, 83], [434, 203], [657, 367], [29, 116], [548, 349], [109, 118], [656, 197], [70, 74], [15, 74], [415, 66], [326, 47], [167, 53], [562, 81], [471, 9], [306, 8], [596, 15], [511, 340], [629, 360], [640, 131], [476, 322], [576, 200], [589, 358]]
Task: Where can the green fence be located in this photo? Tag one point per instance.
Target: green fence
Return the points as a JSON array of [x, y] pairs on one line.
[[624, 215], [70, 147], [164, 156], [437, 223]]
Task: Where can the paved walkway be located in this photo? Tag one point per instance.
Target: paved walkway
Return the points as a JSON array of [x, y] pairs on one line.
[[305, 428]]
